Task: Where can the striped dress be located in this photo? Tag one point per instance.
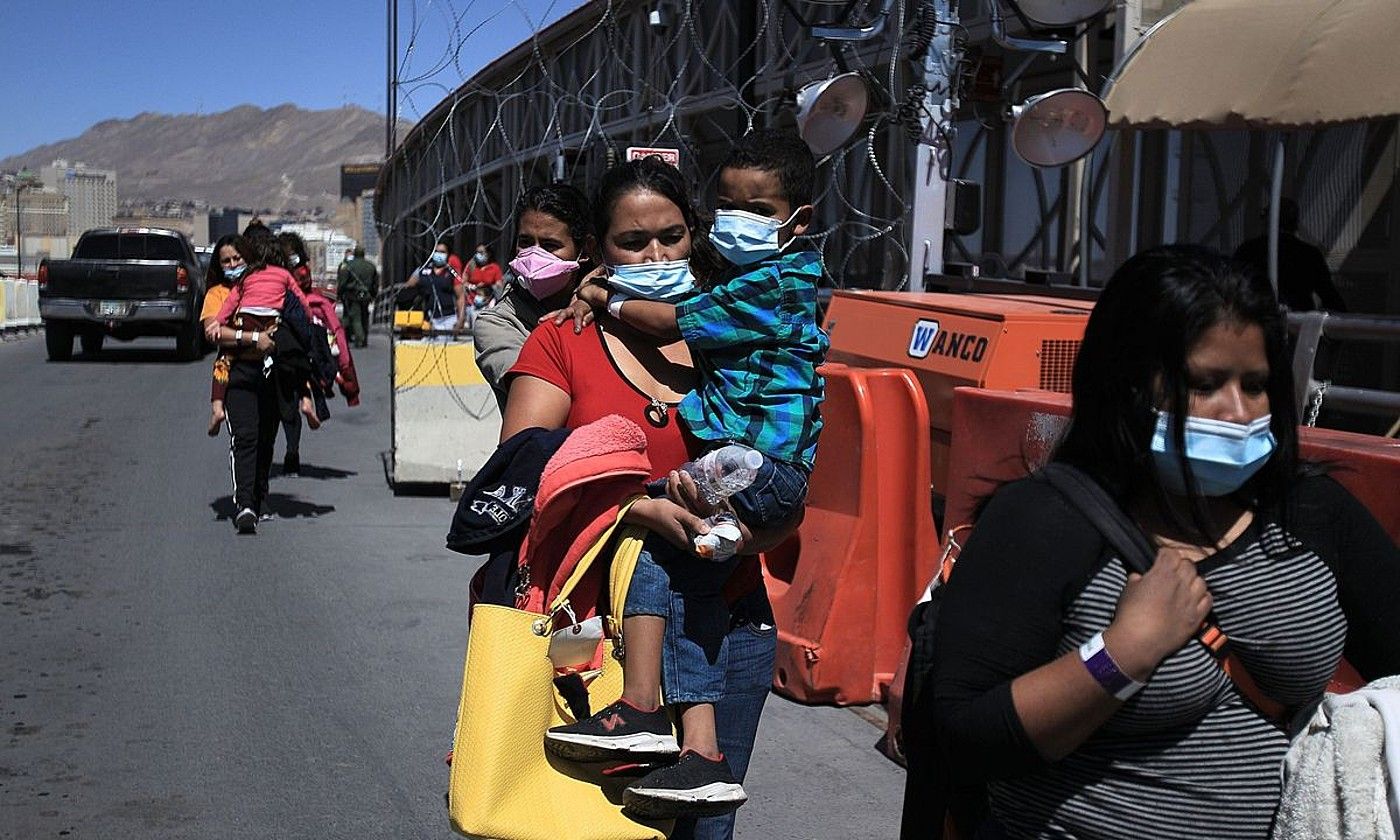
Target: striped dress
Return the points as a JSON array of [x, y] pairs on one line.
[[1186, 756]]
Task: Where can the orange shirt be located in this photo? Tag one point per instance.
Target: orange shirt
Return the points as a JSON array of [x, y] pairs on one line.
[[213, 301]]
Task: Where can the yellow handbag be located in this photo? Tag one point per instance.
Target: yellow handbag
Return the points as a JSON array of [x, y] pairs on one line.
[[504, 786]]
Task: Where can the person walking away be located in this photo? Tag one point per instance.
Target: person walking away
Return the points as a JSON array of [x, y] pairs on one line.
[[757, 345], [357, 283], [1304, 279], [555, 246], [322, 313]]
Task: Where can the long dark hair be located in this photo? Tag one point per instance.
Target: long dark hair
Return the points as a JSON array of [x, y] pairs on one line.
[[1151, 314], [214, 274], [651, 174]]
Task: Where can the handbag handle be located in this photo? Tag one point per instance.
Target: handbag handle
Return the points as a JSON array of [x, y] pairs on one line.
[[1090, 498], [620, 575]]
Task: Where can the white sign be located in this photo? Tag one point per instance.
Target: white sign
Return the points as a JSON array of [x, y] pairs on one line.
[[922, 338], [671, 156]]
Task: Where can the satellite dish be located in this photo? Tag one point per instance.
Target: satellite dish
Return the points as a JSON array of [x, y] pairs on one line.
[[1057, 13], [1058, 127], [830, 112]]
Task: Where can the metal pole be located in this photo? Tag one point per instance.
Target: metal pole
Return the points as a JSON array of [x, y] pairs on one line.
[[394, 77], [19, 234], [1077, 240], [933, 158], [388, 76], [1275, 194]]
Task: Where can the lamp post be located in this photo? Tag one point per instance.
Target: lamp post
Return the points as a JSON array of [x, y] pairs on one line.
[[20, 180]]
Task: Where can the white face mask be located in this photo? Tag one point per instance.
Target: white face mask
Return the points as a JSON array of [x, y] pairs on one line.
[[1223, 455], [663, 281], [744, 238]]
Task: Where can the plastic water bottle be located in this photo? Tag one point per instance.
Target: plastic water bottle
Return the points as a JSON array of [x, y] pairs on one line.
[[725, 471], [723, 540]]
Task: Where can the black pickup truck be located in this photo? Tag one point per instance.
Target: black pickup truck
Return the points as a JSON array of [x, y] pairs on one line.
[[123, 282]]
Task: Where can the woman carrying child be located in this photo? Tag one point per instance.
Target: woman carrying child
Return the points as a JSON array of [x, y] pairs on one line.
[[757, 346], [245, 323]]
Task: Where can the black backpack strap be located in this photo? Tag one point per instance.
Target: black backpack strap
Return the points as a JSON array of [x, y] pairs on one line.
[[1110, 519], [1090, 498]]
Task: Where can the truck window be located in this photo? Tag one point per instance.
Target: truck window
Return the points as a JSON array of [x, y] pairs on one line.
[[128, 246]]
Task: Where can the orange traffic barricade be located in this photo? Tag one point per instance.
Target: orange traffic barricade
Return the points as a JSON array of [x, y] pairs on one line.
[[842, 587]]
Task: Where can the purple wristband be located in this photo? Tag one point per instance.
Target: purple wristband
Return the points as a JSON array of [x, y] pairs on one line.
[[1105, 671]]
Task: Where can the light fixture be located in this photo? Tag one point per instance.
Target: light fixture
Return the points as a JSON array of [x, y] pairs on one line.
[[830, 112], [1058, 13], [1058, 127]]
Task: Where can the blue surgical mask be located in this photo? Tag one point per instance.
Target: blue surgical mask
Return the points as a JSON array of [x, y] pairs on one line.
[[480, 258], [663, 281], [1223, 455], [235, 272], [439, 258], [744, 238]]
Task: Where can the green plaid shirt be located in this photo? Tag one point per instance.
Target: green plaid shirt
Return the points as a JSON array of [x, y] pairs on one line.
[[757, 347]]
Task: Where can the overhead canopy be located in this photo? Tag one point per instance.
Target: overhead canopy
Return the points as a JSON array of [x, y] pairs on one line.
[[1263, 64]]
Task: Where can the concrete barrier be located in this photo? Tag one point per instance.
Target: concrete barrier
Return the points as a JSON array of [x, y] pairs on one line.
[[35, 321], [29, 309], [445, 420], [11, 306]]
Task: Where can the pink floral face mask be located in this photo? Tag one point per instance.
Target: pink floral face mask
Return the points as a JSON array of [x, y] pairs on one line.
[[542, 273]]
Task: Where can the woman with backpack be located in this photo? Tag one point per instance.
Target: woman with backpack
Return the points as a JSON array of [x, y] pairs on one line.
[[1086, 695]]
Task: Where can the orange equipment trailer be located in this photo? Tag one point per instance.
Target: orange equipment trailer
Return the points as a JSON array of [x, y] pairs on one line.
[[842, 587], [997, 341]]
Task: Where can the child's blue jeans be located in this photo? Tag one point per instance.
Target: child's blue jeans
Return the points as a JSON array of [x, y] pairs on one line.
[[686, 590]]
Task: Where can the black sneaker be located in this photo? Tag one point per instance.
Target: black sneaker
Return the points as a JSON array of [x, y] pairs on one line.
[[694, 786], [246, 521], [291, 465], [619, 728]]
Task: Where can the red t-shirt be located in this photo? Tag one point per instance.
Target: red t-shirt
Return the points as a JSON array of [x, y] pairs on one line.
[[580, 366], [484, 275]]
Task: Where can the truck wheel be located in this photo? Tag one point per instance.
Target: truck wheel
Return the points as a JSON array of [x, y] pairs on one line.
[[59, 341], [187, 343], [92, 343]]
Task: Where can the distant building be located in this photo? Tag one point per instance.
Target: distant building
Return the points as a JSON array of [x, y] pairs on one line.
[[43, 219], [355, 178], [230, 220], [91, 193], [326, 246], [369, 229]]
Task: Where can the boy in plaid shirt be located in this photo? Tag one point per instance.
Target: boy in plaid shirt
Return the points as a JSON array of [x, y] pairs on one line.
[[756, 345]]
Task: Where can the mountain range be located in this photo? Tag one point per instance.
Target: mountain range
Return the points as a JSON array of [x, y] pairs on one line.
[[280, 158]]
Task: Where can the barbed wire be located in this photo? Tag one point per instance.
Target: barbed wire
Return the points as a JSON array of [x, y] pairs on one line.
[[711, 71]]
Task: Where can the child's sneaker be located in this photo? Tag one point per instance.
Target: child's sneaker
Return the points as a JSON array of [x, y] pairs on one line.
[[694, 786], [619, 728]]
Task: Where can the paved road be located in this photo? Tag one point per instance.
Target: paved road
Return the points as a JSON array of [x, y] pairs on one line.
[[162, 678]]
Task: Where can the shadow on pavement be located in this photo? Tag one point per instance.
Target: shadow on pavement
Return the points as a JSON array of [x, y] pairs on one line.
[[313, 471], [282, 505]]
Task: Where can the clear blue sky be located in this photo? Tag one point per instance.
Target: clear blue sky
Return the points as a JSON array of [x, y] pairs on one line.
[[66, 64]]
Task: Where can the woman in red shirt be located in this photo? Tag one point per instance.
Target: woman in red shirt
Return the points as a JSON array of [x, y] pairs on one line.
[[566, 378]]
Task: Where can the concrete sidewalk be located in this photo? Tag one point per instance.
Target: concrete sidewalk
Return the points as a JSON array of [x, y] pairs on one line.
[[166, 678]]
